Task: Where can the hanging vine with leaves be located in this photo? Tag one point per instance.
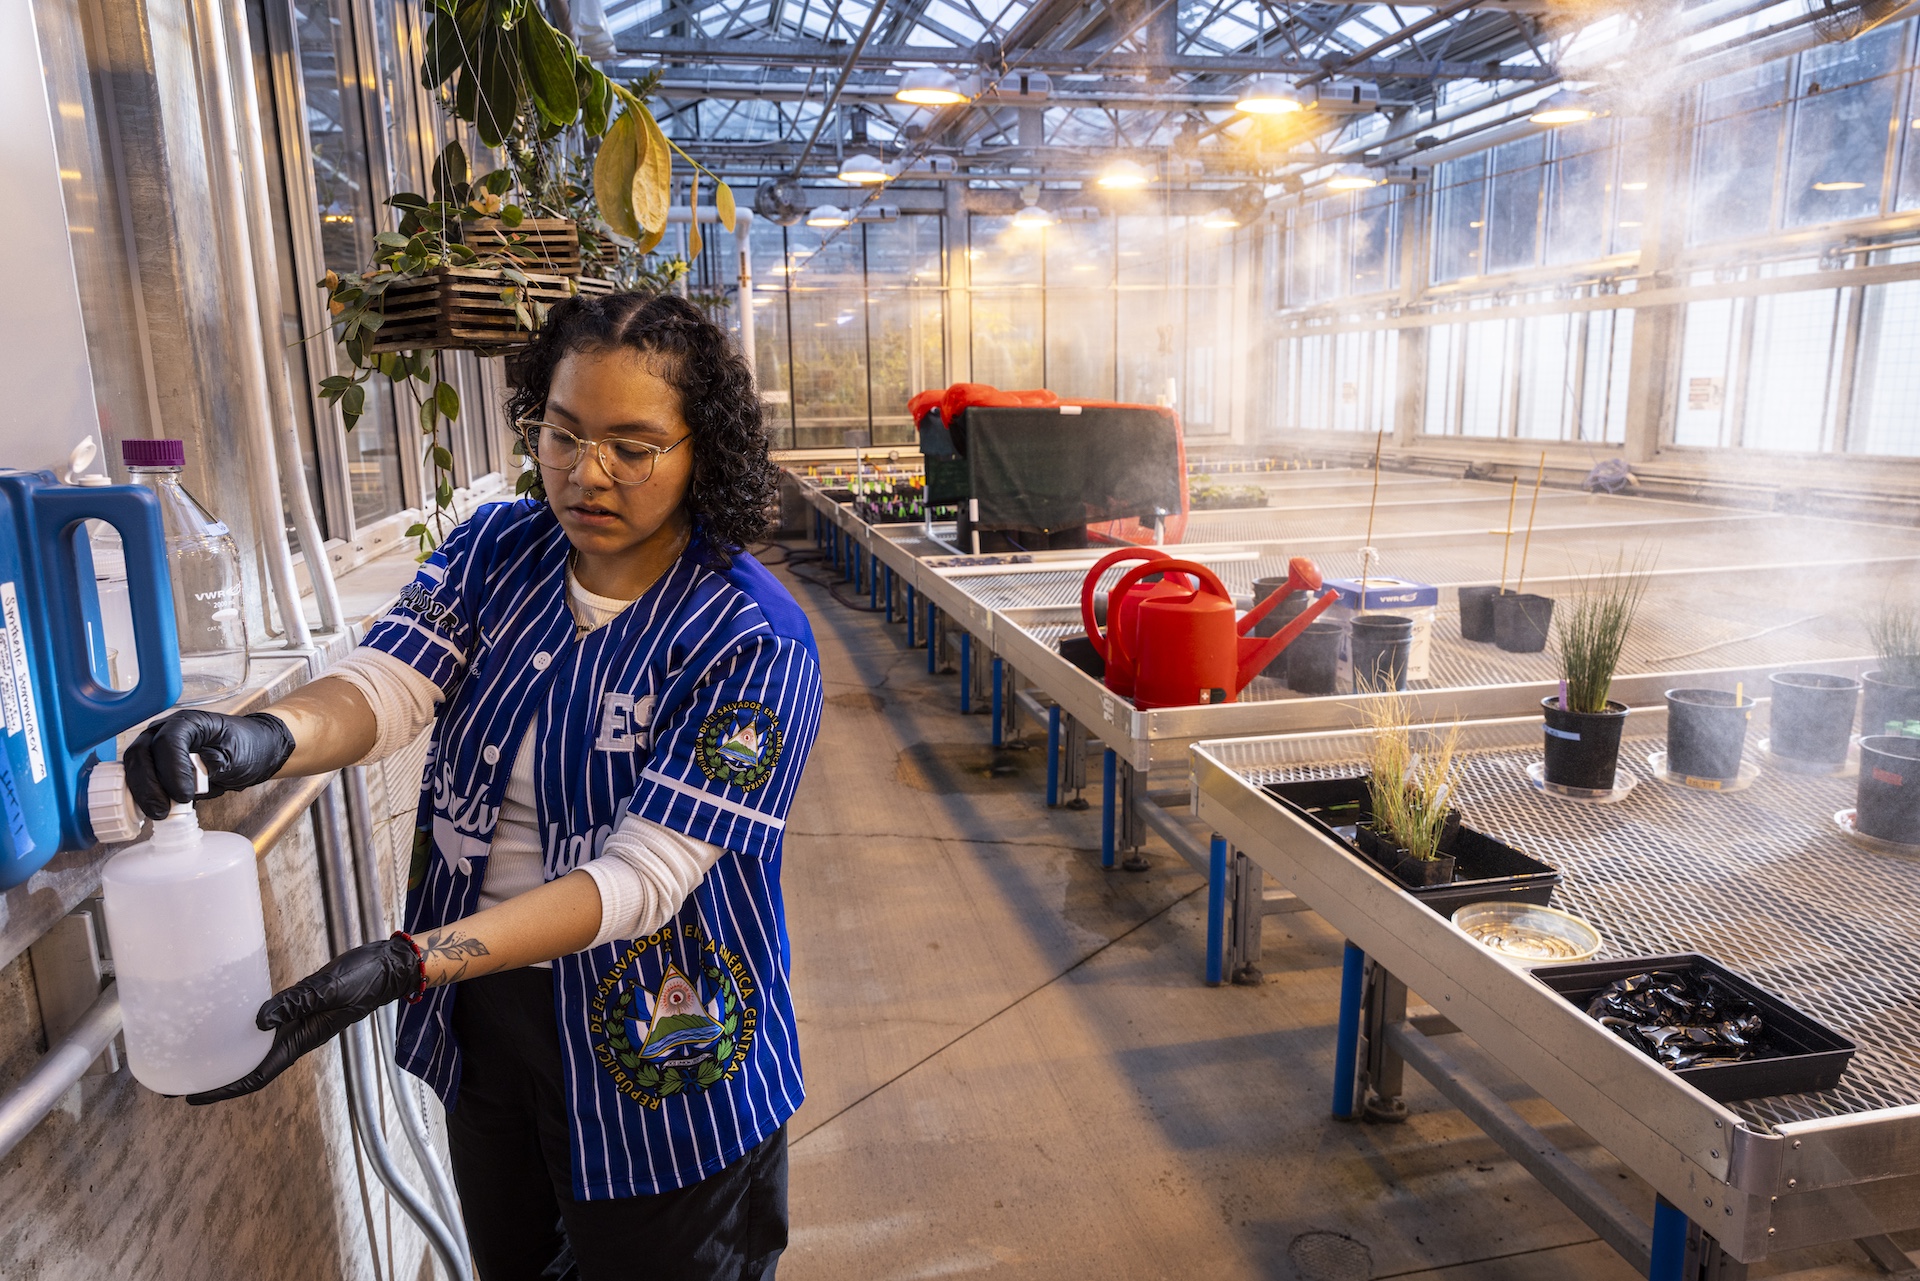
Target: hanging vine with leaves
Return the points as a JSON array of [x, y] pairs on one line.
[[529, 93]]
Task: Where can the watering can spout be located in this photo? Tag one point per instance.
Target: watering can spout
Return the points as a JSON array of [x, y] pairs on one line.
[[1302, 576]]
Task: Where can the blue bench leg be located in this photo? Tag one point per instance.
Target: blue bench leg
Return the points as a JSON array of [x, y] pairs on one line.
[[999, 700], [1216, 910], [887, 573], [966, 673], [1109, 784], [1053, 757], [1669, 1241], [1346, 1049], [873, 582], [910, 618]]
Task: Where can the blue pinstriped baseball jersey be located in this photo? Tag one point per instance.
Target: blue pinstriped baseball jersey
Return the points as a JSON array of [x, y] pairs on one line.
[[694, 708]]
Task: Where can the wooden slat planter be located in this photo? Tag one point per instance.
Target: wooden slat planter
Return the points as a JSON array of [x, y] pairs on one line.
[[547, 245], [460, 309]]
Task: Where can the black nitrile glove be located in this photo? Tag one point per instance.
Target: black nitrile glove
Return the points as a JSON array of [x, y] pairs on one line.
[[324, 1004], [238, 752]]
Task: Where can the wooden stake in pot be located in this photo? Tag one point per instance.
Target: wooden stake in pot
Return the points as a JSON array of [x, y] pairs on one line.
[[1506, 553], [1532, 511], [1366, 550]]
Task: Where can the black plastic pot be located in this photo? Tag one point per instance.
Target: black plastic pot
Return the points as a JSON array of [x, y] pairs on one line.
[[1314, 658], [1812, 716], [1522, 622], [1381, 646], [1476, 612], [1279, 616], [1405, 868], [1890, 705], [1583, 748], [1888, 799], [1706, 733], [1079, 651]]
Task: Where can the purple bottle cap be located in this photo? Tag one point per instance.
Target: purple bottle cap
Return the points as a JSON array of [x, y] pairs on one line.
[[153, 453]]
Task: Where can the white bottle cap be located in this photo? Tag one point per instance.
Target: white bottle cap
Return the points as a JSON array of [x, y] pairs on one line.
[[114, 817]]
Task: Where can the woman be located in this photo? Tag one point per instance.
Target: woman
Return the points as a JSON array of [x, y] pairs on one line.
[[596, 961]]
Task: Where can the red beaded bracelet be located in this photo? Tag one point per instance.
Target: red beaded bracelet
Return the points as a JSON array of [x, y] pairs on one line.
[[420, 959]]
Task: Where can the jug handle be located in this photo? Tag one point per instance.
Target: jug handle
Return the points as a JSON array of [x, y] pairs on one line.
[[91, 712], [1092, 581], [1268, 648], [1203, 577]]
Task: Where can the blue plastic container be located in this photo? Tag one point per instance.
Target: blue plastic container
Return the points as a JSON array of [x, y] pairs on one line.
[[60, 715]]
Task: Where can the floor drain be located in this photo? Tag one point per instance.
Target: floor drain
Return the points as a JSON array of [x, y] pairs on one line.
[[1330, 1256]]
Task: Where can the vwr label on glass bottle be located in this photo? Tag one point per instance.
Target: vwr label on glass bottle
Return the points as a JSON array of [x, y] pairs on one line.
[[16, 683]]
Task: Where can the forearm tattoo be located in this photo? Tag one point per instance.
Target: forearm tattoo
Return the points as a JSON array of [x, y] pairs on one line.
[[448, 954]]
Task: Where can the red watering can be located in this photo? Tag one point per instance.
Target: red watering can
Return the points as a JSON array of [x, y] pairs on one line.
[[1185, 646], [1123, 609]]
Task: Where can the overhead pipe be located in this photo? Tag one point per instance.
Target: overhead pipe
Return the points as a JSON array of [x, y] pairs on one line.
[[846, 72], [228, 181], [266, 281]]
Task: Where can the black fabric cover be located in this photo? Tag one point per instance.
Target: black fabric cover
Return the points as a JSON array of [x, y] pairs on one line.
[[1042, 469]]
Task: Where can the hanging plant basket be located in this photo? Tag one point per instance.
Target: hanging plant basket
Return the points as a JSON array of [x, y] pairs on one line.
[[467, 309], [550, 246]]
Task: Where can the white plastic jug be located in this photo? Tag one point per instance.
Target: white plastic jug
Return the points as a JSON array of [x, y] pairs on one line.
[[190, 955]]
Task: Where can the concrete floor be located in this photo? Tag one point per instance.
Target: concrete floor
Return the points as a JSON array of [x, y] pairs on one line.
[[1014, 1068]]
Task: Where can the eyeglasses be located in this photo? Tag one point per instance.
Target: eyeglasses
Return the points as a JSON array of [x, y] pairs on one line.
[[628, 462]]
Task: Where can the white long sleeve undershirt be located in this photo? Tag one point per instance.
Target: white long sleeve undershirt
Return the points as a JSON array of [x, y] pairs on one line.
[[644, 872]]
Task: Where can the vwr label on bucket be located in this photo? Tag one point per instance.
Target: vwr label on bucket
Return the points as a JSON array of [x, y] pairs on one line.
[[16, 683]]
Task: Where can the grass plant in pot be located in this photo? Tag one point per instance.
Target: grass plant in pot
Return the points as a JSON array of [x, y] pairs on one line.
[[1410, 793], [1582, 724], [1892, 694]]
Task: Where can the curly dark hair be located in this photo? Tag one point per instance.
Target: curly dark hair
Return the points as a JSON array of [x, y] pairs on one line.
[[734, 481]]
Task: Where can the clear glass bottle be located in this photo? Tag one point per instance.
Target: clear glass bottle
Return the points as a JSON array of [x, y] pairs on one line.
[[209, 607]]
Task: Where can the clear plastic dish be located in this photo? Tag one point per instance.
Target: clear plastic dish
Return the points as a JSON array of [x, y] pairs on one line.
[[1523, 934]]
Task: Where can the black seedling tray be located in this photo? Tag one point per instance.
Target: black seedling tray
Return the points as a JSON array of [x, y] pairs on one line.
[[1486, 870], [1800, 1055]]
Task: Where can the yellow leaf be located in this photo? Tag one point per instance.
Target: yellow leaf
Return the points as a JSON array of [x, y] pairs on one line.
[[693, 216], [653, 179], [613, 176], [723, 204], [651, 241]]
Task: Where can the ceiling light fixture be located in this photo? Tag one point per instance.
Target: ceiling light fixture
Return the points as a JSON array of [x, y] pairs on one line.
[[863, 169], [828, 216], [1269, 97], [1633, 186], [1563, 108], [1352, 178], [1033, 216], [1838, 185], [930, 87], [1220, 219], [1124, 175]]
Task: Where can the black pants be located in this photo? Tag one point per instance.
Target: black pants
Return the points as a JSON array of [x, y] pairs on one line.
[[511, 1163]]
